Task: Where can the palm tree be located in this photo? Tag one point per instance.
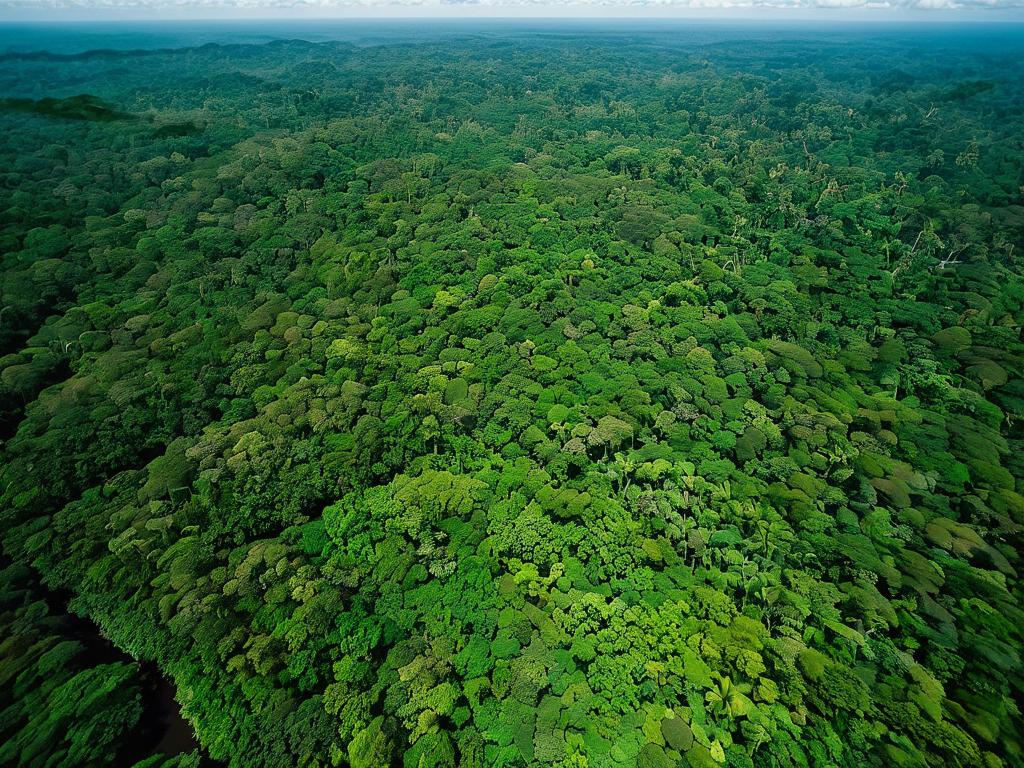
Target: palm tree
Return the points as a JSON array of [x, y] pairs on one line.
[[760, 736], [764, 528], [746, 580], [689, 481], [430, 431], [768, 596], [722, 492], [729, 698], [624, 467], [686, 525]]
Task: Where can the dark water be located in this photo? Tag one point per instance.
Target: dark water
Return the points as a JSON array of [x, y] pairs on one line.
[[174, 731], [161, 728]]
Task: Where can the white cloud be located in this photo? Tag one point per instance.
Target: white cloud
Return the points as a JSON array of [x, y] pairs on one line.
[[579, 7]]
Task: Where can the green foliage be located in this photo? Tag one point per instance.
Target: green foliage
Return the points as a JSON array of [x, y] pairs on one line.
[[516, 399]]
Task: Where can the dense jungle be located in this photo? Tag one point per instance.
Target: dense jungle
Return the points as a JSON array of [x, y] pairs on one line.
[[581, 396]]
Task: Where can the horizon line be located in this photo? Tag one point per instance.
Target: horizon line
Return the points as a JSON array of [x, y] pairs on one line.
[[560, 11]]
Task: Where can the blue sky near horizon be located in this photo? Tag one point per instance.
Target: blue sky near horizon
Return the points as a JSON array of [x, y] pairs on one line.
[[950, 11]]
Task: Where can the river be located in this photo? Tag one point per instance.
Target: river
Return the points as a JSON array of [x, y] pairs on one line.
[[161, 727]]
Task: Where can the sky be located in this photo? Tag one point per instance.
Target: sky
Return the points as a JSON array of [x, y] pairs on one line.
[[866, 10]]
